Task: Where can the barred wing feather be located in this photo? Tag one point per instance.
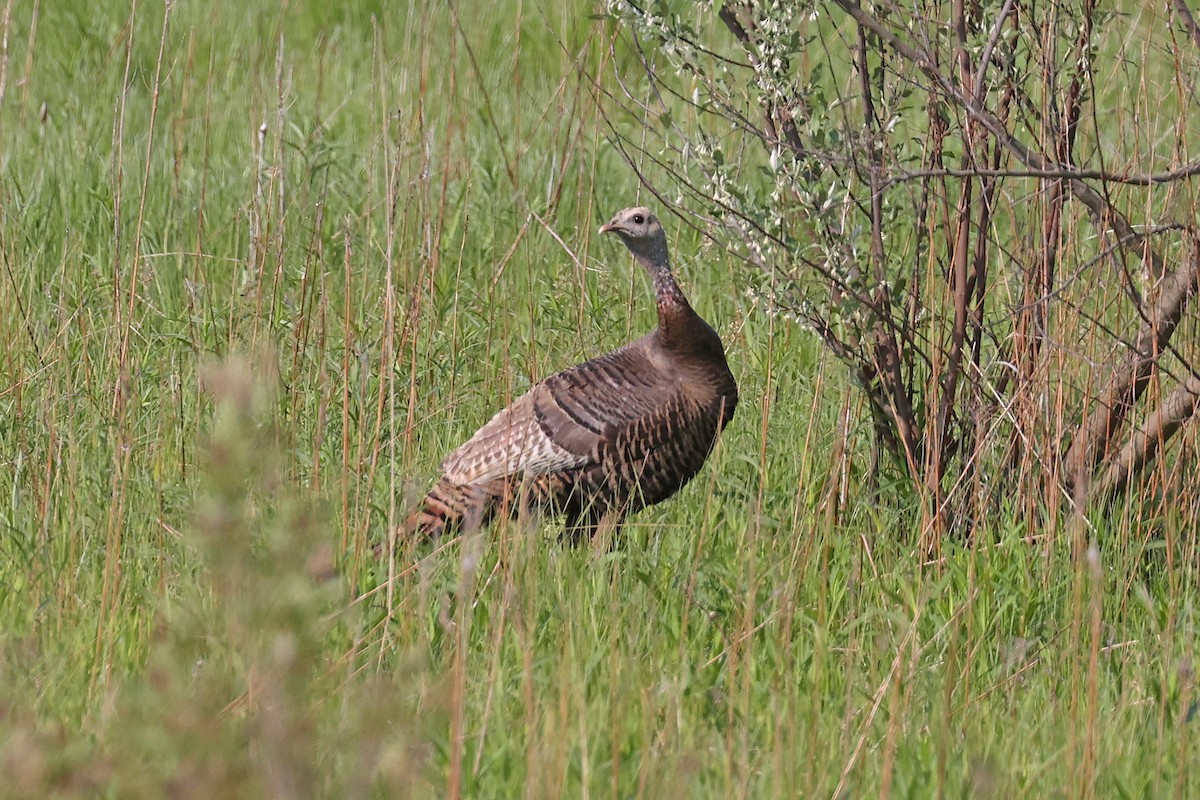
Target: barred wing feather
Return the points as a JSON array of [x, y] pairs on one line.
[[512, 443], [562, 423]]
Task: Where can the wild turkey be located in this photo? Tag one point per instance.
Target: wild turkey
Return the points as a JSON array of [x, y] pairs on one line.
[[603, 439]]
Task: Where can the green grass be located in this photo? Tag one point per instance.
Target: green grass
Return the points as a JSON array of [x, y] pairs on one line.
[[229, 362]]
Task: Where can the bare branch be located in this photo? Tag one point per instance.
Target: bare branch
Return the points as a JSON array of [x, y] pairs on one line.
[[986, 59], [1145, 443], [1063, 173], [1102, 211], [1189, 21], [1129, 380]]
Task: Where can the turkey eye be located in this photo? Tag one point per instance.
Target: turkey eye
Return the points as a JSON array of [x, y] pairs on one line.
[[638, 219]]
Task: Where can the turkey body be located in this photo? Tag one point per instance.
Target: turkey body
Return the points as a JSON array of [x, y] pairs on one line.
[[603, 439]]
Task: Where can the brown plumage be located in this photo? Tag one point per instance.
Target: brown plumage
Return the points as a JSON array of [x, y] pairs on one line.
[[603, 439]]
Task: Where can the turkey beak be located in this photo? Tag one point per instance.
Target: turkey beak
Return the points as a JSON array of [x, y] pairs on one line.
[[608, 227]]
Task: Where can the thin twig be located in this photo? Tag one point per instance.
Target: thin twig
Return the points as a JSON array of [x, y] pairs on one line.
[[1189, 21]]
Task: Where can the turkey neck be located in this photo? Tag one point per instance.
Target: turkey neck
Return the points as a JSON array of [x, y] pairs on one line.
[[680, 328]]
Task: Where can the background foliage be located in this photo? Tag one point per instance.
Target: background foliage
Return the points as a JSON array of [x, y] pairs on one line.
[[986, 210]]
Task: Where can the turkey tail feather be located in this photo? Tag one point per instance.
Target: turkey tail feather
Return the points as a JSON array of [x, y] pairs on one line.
[[449, 506]]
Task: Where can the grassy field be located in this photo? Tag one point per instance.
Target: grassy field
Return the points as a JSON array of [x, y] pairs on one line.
[[265, 265]]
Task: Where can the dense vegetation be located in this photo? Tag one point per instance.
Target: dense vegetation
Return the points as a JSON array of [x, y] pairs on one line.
[[264, 265]]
